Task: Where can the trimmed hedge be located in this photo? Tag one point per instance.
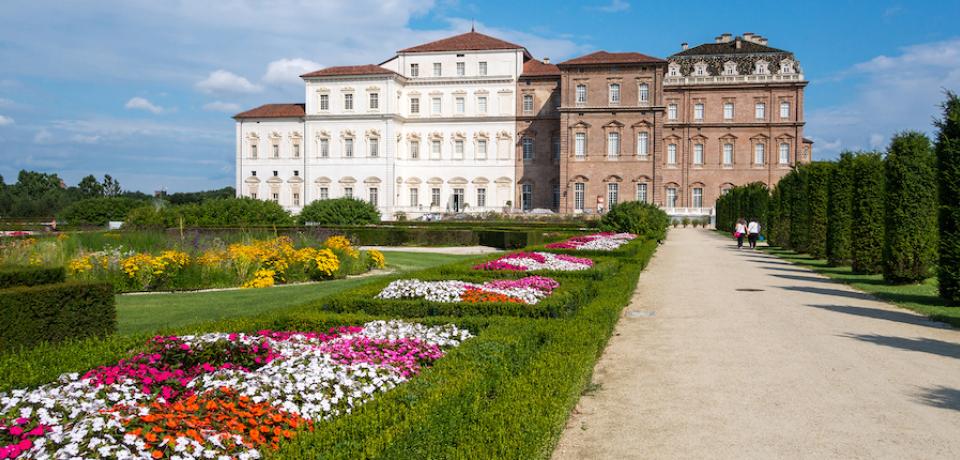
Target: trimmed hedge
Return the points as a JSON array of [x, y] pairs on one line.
[[509, 239], [339, 211], [910, 241], [839, 211], [745, 202], [818, 183], [948, 177], [866, 234], [30, 276], [55, 312]]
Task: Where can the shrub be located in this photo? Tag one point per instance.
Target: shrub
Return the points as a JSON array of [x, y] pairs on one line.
[[948, 178], [866, 211], [98, 211], [818, 195], [222, 212], [507, 239], [800, 210], [30, 276], [339, 211], [839, 211], [642, 219], [55, 312], [910, 241], [747, 202]]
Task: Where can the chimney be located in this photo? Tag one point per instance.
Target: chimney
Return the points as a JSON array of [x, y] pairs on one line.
[[546, 60], [683, 46], [738, 43], [748, 36], [726, 37], [763, 41], [718, 39]]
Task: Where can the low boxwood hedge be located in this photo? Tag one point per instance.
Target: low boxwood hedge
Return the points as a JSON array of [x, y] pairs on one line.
[[30, 276], [54, 312]]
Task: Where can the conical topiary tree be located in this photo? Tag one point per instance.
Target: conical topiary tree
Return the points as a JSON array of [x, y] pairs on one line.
[[910, 240], [866, 210], [948, 178], [818, 183], [838, 211]]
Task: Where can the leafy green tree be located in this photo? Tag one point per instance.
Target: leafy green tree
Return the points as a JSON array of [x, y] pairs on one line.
[[800, 211], [199, 197], [227, 212], [340, 211], [111, 186], [867, 214], [948, 178], [89, 187], [910, 241], [98, 211], [642, 219], [839, 211]]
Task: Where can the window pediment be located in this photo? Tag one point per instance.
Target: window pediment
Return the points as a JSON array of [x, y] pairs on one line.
[[348, 180], [322, 180]]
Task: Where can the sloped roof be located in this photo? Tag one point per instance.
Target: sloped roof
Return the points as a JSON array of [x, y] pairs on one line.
[[366, 69], [746, 47], [470, 41], [535, 68], [274, 111], [604, 57]]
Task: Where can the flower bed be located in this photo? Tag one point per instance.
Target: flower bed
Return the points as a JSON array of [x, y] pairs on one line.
[[606, 241], [529, 290], [530, 261], [217, 394]]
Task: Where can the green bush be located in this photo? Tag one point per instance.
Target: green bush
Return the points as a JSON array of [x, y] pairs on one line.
[[948, 177], [55, 312], [839, 210], [910, 241], [818, 195], [509, 239], [743, 202], [642, 219], [30, 276], [867, 211], [224, 212], [775, 218], [339, 211], [800, 210], [98, 211]]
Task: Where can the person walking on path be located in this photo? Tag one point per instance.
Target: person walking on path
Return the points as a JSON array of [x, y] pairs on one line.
[[740, 231], [753, 233]]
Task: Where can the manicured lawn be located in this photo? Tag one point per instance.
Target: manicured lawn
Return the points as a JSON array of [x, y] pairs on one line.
[[921, 298], [150, 312]]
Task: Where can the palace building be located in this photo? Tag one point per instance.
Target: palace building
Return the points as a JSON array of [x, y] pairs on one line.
[[472, 123]]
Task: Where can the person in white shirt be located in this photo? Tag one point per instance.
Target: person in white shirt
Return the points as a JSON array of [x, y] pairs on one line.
[[739, 232], [753, 233]]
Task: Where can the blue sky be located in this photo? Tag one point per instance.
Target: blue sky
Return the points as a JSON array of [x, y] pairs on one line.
[[144, 90]]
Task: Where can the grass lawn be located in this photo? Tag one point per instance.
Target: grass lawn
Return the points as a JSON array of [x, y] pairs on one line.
[[921, 298], [150, 312]]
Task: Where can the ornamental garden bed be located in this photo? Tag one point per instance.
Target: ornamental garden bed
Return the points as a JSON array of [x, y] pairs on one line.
[[521, 264], [626, 245]]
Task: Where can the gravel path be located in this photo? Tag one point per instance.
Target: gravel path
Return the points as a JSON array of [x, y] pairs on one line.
[[804, 368]]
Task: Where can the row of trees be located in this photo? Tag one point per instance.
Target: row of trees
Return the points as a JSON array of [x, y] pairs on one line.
[[896, 213], [232, 212]]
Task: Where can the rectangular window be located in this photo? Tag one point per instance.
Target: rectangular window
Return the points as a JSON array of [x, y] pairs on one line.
[[784, 153], [296, 199], [527, 103], [613, 195], [698, 111], [760, 111], [481, 149], [373, 195], [296, 173], [482, 104], [414, 105], [526, 197], [728, 110], [671, 197], [414, 197], [276, 197], [324, 193], [758, 154], [579, 190], [461, 105], [461, 69], [348, 192], [276, 150], [784, 110], [727, 154], [555, 143], [481, 197], [253, 173], [458, 149], [482, 68], [672, 154], [613, 145], [374, 101], [435, 150], [698, 154], [581, 94], [374, 147], [324, 148], [642, 139], [324, 102], [296, 150], [348, 148], [642, 193], [644, 93], [435, 196], [414, 150], [527, 145], [253, 151], [436, 105], [348, 101], [253, 195], [437, 69], [672, 112], [414, 70], [581, 145], [556, 197], [697, 197], [615, 93]]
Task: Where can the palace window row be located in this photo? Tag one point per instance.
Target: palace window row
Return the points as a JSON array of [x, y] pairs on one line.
[[613, 94], [461, 69], [459, 105], [699, 111]]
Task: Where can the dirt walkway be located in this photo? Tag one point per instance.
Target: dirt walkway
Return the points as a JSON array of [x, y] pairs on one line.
[[804, 368]]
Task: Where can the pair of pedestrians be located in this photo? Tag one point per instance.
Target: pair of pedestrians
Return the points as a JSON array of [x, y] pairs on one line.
[[750, 230]]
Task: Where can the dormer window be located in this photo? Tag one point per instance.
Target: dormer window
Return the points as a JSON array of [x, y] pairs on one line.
[[673, 70], [730, 68], [700, 69], [761, 68], [786, 67]]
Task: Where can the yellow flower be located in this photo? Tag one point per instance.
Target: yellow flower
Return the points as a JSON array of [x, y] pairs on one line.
[[379, 261], [136, 264], [212, 257], [261, 279], [326, 262], [79, 265], [342, 243]]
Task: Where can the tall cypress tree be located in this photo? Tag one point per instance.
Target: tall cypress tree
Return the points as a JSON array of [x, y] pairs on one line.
[[800, 215], [866, 210], [773, 218], [838, 211], [910, 241], [818, 197], [948, 178]]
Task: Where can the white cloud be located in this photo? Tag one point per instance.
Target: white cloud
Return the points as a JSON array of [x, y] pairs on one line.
[[42, 137], [139, 103], [288, 71], [5, 120], [85, 139], [219, 106], [891, 94], [613, 7], [222, 81]]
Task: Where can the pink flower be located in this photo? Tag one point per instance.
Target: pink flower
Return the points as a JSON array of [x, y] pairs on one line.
[[15, 430]]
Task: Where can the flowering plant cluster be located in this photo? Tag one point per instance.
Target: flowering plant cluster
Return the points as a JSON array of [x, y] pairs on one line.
[[529, 290], [216, 395], [528, 261], [606, 241]]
